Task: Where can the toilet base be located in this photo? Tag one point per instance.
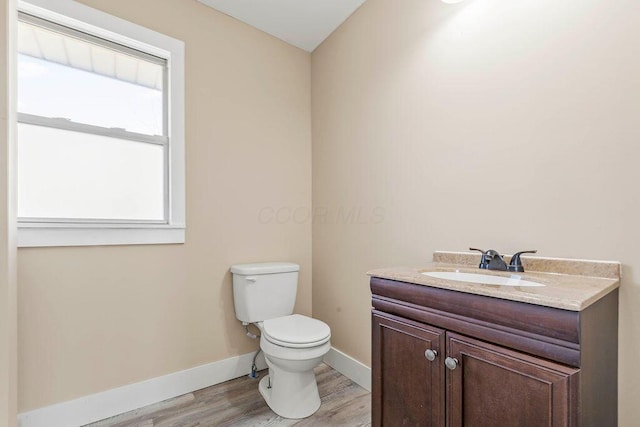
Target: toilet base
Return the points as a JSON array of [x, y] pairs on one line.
[[299, 405]]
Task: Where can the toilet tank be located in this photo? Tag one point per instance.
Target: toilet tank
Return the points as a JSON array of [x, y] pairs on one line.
[[264, 290]]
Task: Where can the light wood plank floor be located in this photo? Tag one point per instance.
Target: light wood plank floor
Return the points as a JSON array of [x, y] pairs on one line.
[[238, 403]]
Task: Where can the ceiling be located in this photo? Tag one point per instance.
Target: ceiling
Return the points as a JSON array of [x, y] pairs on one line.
[[302, 23]]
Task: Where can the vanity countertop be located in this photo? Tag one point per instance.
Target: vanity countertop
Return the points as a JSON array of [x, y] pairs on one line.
[[569, 284]]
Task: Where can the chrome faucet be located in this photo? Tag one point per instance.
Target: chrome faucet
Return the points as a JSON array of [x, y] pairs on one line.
[[492, 260]]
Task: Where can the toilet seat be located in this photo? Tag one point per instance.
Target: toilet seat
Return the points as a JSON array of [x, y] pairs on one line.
[[296, 331]]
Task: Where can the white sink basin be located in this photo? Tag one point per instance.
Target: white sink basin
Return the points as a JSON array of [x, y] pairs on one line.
[[482, 279]]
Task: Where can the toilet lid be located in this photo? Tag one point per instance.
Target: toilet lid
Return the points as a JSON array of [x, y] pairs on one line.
[[296, 331]]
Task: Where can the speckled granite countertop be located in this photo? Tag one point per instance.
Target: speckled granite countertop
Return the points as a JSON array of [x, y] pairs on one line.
[[569, 284]]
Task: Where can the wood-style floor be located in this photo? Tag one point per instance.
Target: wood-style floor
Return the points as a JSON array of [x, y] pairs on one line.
[[238, 403]]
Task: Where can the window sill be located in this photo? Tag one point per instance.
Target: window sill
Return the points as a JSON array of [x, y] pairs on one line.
[[30, 236]]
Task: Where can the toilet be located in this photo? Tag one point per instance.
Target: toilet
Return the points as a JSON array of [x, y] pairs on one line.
[[293, 345]]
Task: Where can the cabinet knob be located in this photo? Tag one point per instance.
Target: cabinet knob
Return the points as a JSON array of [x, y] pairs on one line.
[[451, 363], [430, 355]]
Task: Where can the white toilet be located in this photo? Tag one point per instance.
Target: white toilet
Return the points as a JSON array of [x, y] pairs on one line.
[[293, 345]]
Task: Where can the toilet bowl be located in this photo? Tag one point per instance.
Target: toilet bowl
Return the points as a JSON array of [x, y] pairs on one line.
[[264, 294], [293, 346]]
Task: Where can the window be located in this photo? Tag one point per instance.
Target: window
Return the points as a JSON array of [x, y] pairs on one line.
[[100, 129]]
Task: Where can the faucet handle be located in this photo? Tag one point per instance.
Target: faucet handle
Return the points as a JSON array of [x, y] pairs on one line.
[[484, 264], [516, 264]]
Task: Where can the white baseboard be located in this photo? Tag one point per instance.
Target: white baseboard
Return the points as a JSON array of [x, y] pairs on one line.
[[100, 406], [107, 404], [349, 367]]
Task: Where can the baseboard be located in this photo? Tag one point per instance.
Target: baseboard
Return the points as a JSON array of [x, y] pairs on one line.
[[107, 404], [349, 367], [119, 400]]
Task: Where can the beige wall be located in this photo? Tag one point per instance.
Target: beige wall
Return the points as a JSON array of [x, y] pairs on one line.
[[8, 291], [491, 123], [95, 318]]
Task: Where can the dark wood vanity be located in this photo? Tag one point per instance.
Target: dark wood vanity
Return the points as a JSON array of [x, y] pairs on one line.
[[449, 358]]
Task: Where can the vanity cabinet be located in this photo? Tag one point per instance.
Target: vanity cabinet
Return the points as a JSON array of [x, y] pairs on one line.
[[447, 358]]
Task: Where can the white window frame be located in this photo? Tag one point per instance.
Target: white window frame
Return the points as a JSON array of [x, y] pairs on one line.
[[88, 233]]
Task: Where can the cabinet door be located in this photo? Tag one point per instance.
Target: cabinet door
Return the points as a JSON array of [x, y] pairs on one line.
[[408, 389], [492, 386]]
